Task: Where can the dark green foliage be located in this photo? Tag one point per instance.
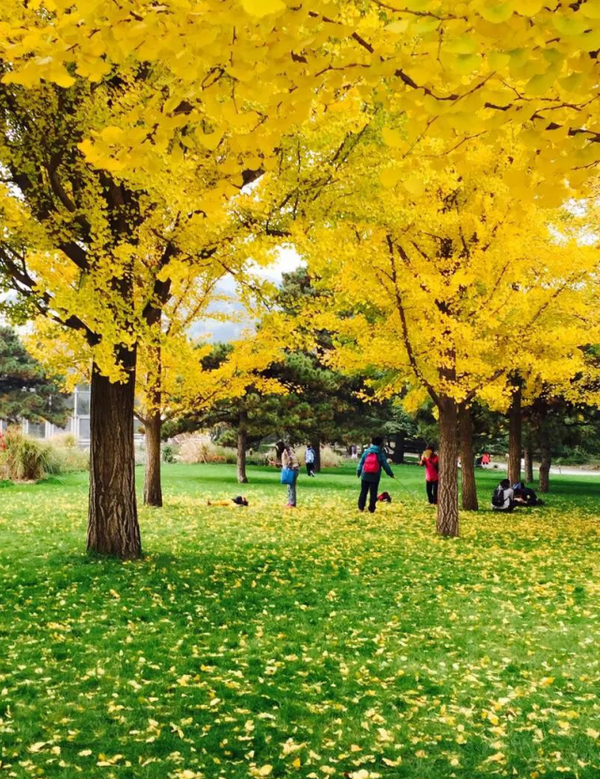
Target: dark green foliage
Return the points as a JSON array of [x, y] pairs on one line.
[[26, 390]]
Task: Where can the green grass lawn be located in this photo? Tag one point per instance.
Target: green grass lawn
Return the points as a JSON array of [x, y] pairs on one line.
[[263, 642]]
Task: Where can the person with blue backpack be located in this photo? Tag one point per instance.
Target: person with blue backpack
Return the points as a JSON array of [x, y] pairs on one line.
[[369, 472]]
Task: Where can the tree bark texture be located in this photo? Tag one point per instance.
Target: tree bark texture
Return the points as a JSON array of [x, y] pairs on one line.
[[467, 458], [153, 422], [528, 457], [514, 437], [545, 458], [113, 527], [398, 453], [242, 445], [447, 508], [152, 480], [316, 442]]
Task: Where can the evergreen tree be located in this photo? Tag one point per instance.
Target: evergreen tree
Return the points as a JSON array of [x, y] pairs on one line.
[[26, 391]]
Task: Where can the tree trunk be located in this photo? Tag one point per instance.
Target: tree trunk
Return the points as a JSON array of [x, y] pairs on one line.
[[447, 509], [469, 488], [398, 453], [316, 442], [514, 437], [528, 455], [113, 527], [545, 458], [242, 445], [152, 481]]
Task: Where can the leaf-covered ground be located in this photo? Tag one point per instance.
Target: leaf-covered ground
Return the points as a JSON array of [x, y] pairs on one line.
[[262, 642]]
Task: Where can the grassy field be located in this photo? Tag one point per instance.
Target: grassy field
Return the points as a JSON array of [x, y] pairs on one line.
[[262, 642]]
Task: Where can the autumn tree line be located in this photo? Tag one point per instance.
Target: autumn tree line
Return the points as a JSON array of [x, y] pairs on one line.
[[433, 165]]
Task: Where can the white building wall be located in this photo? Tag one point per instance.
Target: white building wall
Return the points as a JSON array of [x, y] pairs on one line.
[[77, 425]]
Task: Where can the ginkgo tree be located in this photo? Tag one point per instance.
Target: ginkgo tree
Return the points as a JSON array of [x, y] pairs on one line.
[[104, 257], [437, 274], [175, 375]]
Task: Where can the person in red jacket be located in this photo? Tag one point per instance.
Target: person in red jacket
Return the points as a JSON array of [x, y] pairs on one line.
[[431, 461]]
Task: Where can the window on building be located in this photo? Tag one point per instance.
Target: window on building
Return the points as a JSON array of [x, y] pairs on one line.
[[84, 428], [83, 403]]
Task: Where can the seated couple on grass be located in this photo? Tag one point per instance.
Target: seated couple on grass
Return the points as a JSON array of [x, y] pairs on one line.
[[507, 497]]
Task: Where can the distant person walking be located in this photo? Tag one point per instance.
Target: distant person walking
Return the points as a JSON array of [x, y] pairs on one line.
[[309, 459], [290, 461], [369, 472], [431, 461]]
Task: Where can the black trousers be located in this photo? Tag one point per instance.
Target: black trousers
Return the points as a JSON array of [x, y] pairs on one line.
[[310, 469], [368, 488], [432, 489]]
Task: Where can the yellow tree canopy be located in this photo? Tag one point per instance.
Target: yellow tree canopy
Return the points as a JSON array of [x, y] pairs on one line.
[[439, 279], [237, 74], [451, 282], [172, 378]]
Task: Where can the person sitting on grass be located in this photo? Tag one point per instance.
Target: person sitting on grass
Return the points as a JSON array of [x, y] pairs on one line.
[[239, 500], [503, 498], [369, 472], [525, 496]]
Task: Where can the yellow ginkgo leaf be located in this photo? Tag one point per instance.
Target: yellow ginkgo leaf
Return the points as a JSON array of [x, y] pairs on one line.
[[262, 7], [392, 137], [59, 75], [497, 13], [414, 185], [529, 7], [389, 178]]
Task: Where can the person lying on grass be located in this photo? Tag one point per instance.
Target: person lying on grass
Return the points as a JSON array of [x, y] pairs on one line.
[[239, 500]]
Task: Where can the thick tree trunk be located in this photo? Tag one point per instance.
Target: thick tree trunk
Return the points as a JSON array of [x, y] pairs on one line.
[[316, 442], [152, 481], [528, 457], [545, 458], [398, 453], [514, 437], [469, 488], [113, 527], [242, 445], [447, 509]]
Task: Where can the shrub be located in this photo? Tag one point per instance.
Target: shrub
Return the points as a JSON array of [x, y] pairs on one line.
[[329, 458], [23, 458], [259, 458], [63, 441], [66, 456], [27, 459], [169, 453], [68, 460], [199, 448]]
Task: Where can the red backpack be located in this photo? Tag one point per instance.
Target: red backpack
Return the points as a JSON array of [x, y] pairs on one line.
[[371, 464]]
